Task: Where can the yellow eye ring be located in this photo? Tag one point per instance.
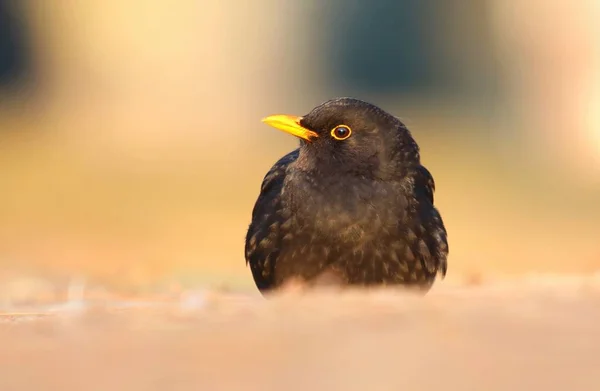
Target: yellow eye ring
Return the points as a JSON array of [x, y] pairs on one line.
[[341, 132]]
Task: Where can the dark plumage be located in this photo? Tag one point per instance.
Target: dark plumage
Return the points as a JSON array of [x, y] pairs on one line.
[[352, 202]]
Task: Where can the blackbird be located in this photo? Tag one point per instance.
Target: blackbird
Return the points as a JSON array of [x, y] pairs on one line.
[[352, 205]]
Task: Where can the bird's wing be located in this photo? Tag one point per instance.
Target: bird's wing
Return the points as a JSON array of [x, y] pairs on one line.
[[264, 234], [434, 250]]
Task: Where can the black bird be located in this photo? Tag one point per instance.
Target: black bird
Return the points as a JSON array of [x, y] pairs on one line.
[[353, 203]]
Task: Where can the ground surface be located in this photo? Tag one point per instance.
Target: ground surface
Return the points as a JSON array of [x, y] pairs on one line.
[[538, 333]]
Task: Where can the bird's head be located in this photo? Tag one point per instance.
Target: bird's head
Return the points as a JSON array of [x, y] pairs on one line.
[[350, 135]]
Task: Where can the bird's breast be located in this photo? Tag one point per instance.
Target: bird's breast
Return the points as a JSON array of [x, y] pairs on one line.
[[344, 210]]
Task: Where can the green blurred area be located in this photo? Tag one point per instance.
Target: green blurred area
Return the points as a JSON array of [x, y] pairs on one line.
[[133, 152]]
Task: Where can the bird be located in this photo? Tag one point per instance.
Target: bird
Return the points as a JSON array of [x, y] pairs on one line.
[[352, 206]]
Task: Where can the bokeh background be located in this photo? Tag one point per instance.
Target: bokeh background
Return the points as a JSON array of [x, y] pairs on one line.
[[131, 147]]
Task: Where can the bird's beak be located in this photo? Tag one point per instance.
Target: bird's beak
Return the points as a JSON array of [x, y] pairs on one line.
[[290, 124]]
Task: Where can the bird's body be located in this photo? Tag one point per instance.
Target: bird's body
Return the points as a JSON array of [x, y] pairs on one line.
[[358, 210]]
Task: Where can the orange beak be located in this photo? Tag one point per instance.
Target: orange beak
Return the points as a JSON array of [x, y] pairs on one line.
[[290, 124]]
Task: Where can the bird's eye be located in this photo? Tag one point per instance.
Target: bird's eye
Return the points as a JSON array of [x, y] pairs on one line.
[[341, 132]]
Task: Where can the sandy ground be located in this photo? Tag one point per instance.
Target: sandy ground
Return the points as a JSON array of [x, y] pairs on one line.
[[537, 333]]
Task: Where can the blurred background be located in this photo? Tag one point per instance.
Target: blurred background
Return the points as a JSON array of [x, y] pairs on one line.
[[132, 152]]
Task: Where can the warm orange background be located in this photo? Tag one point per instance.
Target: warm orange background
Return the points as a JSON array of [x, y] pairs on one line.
[[135, 162]]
